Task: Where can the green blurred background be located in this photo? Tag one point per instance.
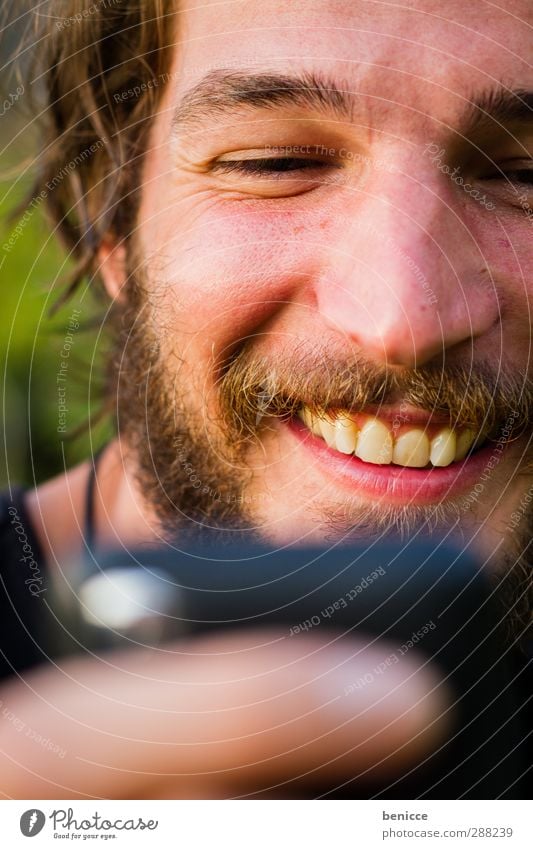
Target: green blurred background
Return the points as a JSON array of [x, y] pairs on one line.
[[32, 272]]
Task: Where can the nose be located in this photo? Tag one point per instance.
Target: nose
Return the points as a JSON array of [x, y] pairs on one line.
[[403, 277]]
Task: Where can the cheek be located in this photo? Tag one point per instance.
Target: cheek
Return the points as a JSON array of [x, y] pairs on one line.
[[232, 269], [510, 264], [510, 254], [507, 253], [505, 245]]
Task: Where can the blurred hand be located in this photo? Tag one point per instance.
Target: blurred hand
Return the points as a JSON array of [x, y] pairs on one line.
[[217, 716]]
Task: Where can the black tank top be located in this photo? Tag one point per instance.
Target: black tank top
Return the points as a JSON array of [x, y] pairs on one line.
[[25, 619], [24, 582]]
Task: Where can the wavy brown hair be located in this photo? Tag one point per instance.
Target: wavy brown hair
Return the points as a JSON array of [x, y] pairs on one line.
[[93, 136]]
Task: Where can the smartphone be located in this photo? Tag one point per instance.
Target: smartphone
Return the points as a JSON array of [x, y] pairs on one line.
[[422, 595]]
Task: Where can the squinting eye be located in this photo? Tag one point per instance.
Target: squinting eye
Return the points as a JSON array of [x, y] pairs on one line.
[[522, 175], [263, 167]]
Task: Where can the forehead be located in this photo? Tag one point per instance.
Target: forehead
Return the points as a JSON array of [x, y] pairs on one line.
[[390, 51]]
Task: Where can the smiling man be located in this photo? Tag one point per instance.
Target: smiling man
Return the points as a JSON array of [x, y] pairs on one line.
[[314, 221], [321, 266]]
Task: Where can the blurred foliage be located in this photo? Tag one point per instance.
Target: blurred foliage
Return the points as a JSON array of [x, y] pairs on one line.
[[31, 276]]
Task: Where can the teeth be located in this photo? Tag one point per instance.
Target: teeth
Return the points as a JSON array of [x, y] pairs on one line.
[[375, 443], [443, 448], [312, 422], [412, 450], [465, 440], [345, 435], [328, 432]]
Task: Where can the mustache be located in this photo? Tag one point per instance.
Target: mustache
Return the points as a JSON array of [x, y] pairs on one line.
[[253, 387]]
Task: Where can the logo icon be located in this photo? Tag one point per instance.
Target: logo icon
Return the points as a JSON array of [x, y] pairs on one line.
[[32, 822]]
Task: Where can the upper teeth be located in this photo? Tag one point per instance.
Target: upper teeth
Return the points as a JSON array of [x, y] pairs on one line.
[[374, 441]]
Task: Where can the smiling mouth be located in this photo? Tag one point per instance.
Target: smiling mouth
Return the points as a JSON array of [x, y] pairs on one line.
[[391, 440]]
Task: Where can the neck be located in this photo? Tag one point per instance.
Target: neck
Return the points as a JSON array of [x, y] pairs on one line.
[[57, 508]]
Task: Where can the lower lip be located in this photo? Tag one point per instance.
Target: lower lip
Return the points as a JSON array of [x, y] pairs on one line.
[[397, 484]]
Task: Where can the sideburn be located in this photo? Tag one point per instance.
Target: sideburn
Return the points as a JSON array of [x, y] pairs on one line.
[[192, 485]]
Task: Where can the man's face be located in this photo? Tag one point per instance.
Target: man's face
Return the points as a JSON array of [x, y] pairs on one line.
[[337, 217]]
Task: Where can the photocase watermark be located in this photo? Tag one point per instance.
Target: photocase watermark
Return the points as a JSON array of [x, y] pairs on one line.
[[322, 150], [70, 826], [437, 155], [66, 820], [495, 457], [191, 71], [391, 660], [264, 402], [35, 580], [32, 822], [412, 266], [141, 88], [61, 376], [23, 728], [401, 417], [17, 231], [523, 200], [69, 21], [339, 604], [523, 508], [11, 99], [52, 184], [182, 455], [390, 243]]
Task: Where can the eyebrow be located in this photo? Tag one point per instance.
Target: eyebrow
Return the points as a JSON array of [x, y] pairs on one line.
[[499, 106], [223, 92]]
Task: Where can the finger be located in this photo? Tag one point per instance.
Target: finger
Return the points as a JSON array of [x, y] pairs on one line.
[[250, 709]]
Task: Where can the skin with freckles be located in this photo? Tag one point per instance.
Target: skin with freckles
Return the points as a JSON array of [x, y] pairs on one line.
[[334, 215]]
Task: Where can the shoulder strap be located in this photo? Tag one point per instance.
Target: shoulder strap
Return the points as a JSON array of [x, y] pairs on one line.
[[89, 524]]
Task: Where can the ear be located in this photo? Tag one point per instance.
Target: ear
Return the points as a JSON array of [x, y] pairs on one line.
[[112, 268]]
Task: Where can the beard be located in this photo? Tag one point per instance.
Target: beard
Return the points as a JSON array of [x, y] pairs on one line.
[[192, 466]]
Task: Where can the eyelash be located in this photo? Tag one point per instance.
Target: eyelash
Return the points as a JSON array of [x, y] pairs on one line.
[[268, 166], [523, 176], [512, 176], [277, 167]]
